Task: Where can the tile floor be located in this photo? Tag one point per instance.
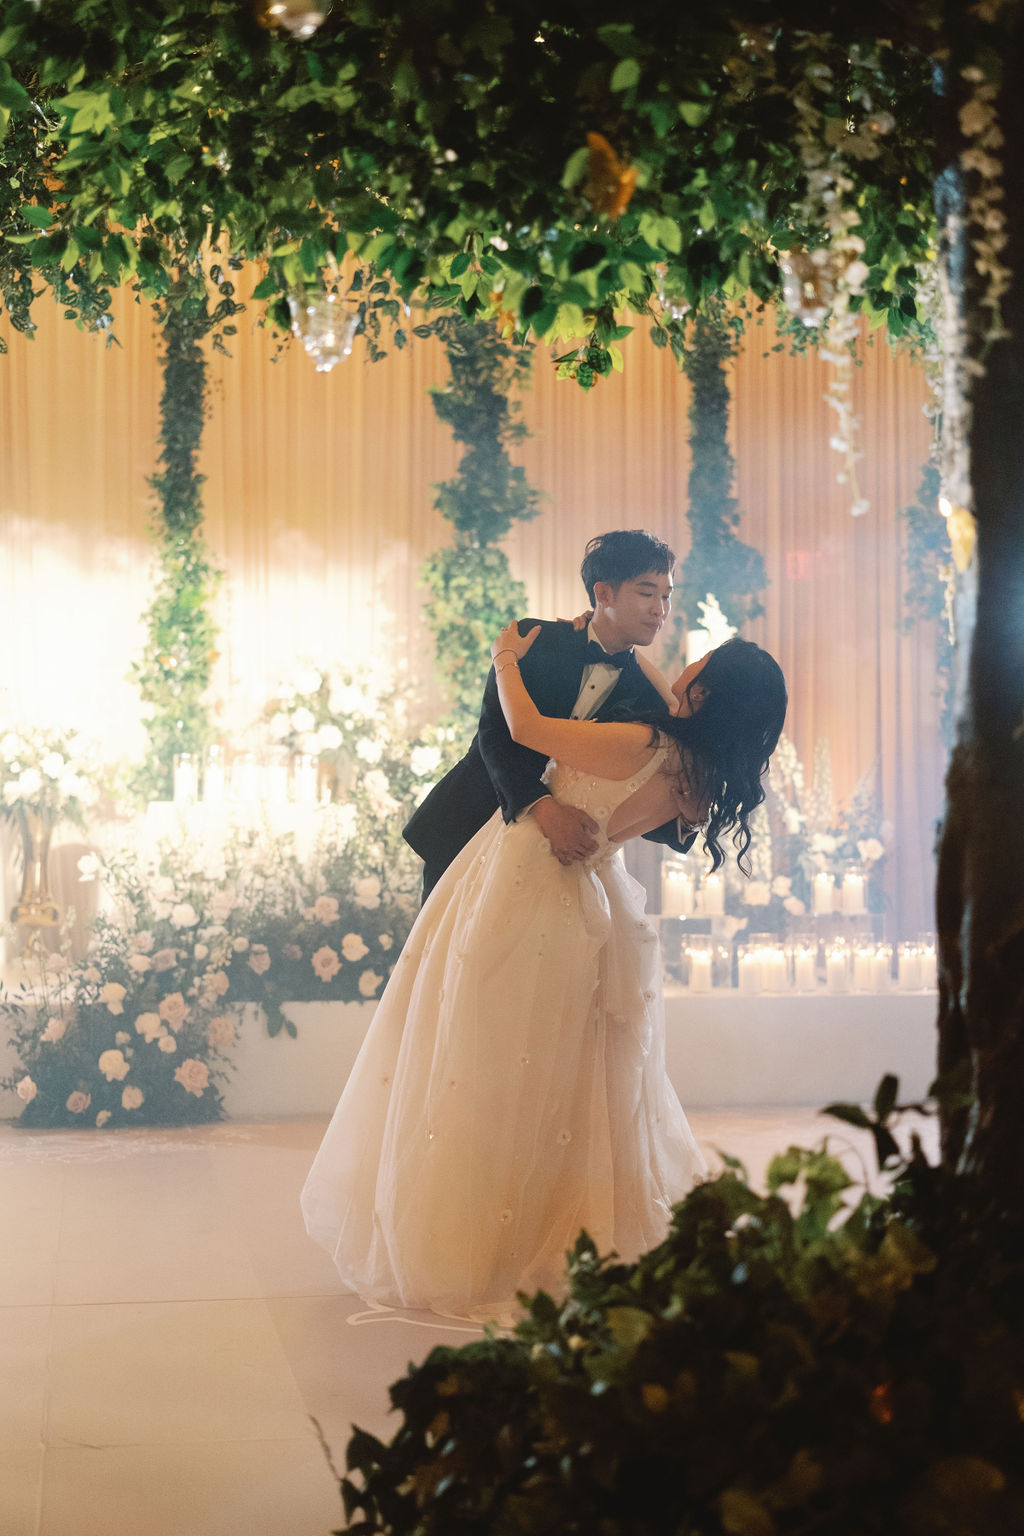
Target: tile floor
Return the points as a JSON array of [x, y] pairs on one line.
[[168, 1332]]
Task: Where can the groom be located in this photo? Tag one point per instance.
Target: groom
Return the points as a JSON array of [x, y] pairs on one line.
[[573, 674]]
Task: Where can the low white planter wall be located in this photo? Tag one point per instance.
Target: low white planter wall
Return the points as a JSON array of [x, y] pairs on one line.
[[722, 1049]]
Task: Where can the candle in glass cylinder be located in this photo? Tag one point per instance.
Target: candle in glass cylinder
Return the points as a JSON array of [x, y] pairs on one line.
[[882, 968], [805, 967], [853, 895], [836, 967], [676, 892], [698, 954], [749, 969], [774, 972], [822, 895], [909, 968], [929, 961], [863, 968], [713, 894], [213, 776], [186, 777], [305, 775]]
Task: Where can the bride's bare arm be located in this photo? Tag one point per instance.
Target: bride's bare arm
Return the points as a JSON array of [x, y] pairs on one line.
[[656, 677], [609, 751]]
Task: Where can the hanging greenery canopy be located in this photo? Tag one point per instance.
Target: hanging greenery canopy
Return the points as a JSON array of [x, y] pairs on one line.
[[542, 164]]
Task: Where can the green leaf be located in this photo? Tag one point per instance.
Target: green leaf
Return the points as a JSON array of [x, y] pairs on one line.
[[32, 213], [628, 1326], [693, 113], [265, 289], [576, 168], [625, 75], [707, 216], [852, 1114]]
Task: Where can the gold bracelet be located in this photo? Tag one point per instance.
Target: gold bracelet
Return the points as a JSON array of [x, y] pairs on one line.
[[508, 664], [506, 650]]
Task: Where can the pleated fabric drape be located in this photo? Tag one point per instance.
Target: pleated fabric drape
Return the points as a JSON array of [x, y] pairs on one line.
[[318, 509]]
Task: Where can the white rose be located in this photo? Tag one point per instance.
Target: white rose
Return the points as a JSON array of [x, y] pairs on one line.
[[201, 951], [303, 720], [240, 945], [367, 892], [26, 1090], [113, 995], [163, 888], [131, 1098], [369, 981], [424, 760], [30, 781], [11, 792], [11, 745], [280, 725], [821, 842], [385, 940], [90, 974], [140, 964], [794, 820], [184, 915], [382, 802], [309, 680], [143, 941], [167, 1044], [328, 738], [870, 850], [54, 1031], [369, 751], [795, 906], [150, 1025], [222, 904], [781, 885], [52, 764], [346, 699], [88, 867], [104, 1116]]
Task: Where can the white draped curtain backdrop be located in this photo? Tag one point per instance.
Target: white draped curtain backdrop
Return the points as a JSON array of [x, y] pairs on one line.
[[318, 509]]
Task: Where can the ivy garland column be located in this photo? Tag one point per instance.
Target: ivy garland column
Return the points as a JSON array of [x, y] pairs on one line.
[[174, 671], [472, 591], [718, 561]]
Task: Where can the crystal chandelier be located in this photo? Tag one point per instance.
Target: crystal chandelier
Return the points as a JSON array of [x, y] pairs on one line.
[[325, 325]]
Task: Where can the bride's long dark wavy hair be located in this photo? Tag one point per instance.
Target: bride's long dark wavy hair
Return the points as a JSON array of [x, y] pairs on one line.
[[728, 739]]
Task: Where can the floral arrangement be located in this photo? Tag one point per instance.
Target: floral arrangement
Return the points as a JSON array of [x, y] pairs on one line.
[[141, 1030], [799, 831], [44, 772]]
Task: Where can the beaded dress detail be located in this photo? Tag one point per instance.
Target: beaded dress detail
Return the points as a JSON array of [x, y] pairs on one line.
[[511, 1089]]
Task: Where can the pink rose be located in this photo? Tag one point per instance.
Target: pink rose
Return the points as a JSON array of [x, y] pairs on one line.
[[174, 1009], [131, 1098], [352, 947], [78, 1102], [167, 1044], [325, 963], [259, 959], [113, 1066], [193, 1076], [149, 1025], [26, 1090], [143, 941], [291, 951], [216, 983]]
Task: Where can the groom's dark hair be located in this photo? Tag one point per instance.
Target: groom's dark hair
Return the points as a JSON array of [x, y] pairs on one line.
[[622, 555]]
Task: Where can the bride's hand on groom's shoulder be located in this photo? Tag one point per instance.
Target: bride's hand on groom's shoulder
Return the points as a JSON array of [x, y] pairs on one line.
[[580, 621], [511, 640]]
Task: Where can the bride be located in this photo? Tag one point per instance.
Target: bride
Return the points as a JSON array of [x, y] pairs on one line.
[[511, 1090]]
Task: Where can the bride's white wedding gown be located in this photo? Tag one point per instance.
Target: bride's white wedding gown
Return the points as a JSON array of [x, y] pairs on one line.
[[511, 1089]]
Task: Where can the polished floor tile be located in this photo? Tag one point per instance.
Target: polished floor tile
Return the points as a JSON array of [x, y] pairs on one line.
[[169, 1334], [255, 1488], [170, 1372]]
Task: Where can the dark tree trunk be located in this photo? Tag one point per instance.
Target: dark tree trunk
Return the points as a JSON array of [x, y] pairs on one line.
[[980, 899]]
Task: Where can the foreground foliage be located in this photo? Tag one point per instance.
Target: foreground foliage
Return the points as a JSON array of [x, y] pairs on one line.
[[776, 1365], [534, 161]]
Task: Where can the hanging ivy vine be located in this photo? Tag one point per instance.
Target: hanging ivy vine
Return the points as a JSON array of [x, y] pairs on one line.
[[472, 590], [173, 673], [718, 561], [927, 562]]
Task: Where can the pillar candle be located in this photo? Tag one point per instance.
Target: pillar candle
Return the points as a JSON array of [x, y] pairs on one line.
[[863, 969], [676, 892], [700, 970], [835, 970], [822, 896], [853, 895], [805, 970], [713, 896], [909, 968]]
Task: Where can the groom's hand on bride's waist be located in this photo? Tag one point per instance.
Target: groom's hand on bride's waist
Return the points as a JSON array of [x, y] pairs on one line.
[[569, 831]]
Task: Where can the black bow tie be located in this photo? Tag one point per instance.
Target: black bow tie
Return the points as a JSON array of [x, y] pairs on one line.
[[597, 653]]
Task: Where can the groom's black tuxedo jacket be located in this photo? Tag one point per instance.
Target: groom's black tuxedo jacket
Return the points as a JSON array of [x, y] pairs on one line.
[[496, 771]]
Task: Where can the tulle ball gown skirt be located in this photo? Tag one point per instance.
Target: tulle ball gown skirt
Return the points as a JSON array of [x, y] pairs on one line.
[[510, 1092]]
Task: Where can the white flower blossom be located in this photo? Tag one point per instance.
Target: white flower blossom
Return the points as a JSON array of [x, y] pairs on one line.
[[353, 948], [369, 981], [424, 760], [328, 738], [184, 915], [89, 866], [366, 891], [303, 720]]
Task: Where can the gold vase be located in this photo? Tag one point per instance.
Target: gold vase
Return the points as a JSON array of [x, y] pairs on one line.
[[35, 908]]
